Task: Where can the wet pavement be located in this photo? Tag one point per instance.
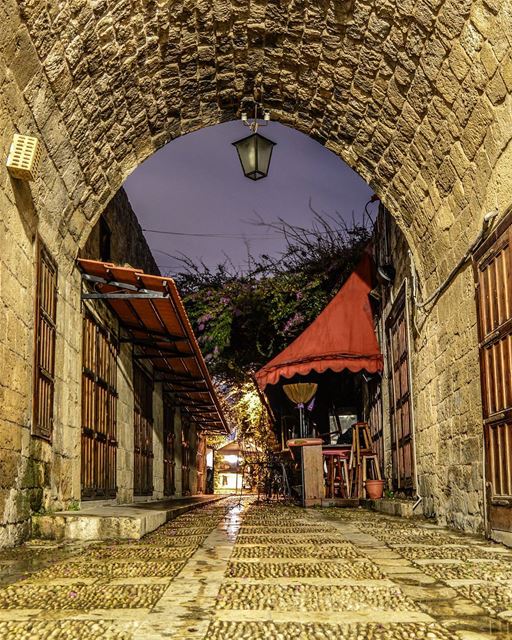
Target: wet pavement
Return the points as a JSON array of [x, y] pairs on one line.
[[238, 569]]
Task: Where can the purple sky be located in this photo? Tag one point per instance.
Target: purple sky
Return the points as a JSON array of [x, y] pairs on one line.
[[195, 185]]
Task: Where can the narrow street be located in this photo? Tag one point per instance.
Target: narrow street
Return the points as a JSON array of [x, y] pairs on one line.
[[244, 570]]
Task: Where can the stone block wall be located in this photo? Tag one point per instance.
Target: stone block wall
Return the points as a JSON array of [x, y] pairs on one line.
[[416, 97], [41, 476], [446, 403], [158, 444], [127, 241], [177, 452]]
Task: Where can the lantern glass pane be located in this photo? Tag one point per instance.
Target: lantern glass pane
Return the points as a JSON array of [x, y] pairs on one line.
[[254, 153], [264, 153]]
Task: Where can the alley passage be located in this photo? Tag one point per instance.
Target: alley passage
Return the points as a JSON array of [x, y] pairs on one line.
[[237, 569]]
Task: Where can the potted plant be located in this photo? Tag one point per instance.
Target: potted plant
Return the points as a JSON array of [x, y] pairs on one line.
[[374, 489]]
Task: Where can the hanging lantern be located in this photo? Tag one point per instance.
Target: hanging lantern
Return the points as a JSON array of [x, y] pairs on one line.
[[255, 151]]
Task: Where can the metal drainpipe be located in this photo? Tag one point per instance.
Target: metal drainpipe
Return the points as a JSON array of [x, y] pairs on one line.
[[413, 424], [486, 225], [385, 376]]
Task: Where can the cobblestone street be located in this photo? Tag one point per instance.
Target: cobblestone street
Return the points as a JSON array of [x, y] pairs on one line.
[[230, 570]]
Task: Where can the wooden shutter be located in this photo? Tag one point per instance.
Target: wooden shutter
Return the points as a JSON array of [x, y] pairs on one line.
[[99, 411], [375, 421], [493, 273], [143, 432], [400, 398], [45, 337]]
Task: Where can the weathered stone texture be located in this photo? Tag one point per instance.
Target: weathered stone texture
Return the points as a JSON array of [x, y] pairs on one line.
[[407, 93], [34, 474]]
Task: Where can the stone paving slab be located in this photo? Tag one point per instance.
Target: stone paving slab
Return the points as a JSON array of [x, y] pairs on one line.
[[313, 569], [83, 569], [289, 539], [220, 586], [80, 596], [322, 551], [292, 630], [449, 552], [493, 571], [300, 585], [142, 553], [61, 630], [307, 597]]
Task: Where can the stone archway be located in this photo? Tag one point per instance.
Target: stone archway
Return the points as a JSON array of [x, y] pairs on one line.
[[414, 96], [405, 93]]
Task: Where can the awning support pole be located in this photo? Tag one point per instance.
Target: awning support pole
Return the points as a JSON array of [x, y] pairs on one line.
[[123, 296]]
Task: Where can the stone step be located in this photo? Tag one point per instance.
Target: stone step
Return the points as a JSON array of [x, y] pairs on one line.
[[114, 522]]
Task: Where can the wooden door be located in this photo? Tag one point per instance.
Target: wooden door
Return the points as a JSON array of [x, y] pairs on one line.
[[493, 273], [400, 399], [375, 421], [143, 433], [99, 412], [169, 438]]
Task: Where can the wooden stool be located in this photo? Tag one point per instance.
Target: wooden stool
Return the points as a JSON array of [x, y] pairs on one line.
[[360, 429], [360, 451], [367, 461], [337, 479]]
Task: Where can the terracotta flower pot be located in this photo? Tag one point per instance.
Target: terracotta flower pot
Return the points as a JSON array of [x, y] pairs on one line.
[[374, 489]]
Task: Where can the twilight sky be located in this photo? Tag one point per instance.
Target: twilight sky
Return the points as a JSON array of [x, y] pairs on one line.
[[195, 185]]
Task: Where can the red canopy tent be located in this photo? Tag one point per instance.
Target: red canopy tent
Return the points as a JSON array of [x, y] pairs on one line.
[[341, 337]]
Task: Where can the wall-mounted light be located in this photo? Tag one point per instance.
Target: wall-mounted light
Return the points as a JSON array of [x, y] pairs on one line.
[[255, 151], [386, 273], [24, 157]]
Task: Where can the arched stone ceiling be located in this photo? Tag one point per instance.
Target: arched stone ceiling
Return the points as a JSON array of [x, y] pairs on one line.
[[412, 94]]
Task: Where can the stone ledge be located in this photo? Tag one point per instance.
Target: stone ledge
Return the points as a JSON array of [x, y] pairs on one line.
[[114, 522], [352, 503], [402, 508]]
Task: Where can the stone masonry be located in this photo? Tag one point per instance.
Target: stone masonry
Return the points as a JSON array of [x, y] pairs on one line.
[[36, 475], [413, 94]]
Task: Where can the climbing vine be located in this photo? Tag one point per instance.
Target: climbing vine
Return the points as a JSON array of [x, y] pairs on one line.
[[244, 318]]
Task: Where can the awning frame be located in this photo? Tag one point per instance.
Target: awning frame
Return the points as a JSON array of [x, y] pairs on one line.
[[140, 320]]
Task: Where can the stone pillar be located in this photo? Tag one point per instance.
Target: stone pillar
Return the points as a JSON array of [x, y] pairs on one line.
[[66, 440], [193, 459], [125, 408], [177, 451], [158, 442]]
